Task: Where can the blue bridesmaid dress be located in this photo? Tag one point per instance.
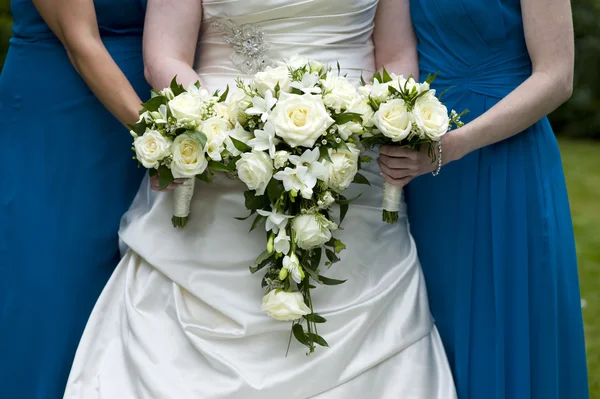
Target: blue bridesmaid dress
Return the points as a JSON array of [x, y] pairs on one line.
[[494, 230], [67, 177]]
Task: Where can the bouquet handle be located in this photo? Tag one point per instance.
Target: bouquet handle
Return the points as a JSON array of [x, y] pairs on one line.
[[182, 197], [392, 195]]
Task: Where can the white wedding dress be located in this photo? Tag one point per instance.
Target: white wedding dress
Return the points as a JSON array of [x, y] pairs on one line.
[[181, 316]]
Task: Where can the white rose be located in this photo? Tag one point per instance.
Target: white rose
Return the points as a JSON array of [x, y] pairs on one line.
[[393, 120], [312, 230], [431, 116], [270, 77], [292, 264], [238, 102], [285, 306], [255, 170], [339, 93], [186, 108], [239, 134], [215, 127], [281, 158], [151, 148], [343, 167], [300, 120], [221, 110], [189, 159], [361, 106]]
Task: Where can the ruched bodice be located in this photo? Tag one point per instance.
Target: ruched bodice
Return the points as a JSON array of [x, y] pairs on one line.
[[125, 19], [477, 46], [325, 30]]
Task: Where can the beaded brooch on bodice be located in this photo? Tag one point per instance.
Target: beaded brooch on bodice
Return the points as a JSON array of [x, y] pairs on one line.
[[248, 44]]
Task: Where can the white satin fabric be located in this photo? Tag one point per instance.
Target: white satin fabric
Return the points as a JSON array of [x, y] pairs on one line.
[[181, 318]]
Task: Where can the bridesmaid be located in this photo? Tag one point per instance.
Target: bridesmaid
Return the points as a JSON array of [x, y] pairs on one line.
[[67, 177], [494, 230]]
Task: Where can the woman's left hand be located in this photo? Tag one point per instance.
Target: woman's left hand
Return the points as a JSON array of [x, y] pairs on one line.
[[399, 165]]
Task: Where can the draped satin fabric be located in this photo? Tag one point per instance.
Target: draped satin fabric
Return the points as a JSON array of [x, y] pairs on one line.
[[181, 316]]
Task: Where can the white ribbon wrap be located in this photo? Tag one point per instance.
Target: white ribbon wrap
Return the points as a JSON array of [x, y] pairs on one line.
[[391, 197], [183, 197]]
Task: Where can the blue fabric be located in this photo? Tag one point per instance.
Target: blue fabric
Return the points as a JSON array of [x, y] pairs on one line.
[[494, 230], [67, 177]]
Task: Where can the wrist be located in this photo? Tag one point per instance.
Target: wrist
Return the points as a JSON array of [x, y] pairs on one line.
[[454, 146]]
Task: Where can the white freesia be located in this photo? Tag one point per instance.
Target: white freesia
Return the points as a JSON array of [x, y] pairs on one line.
[[262, 106], [268, 79], [189, 159], [431, 117], [326, 200], [285, 306], [151, 148], [221, 110], [282, 242], [343, 167], [215, 148], [167, 92], [308, 84], [275, 220], [293, 179], [292, 264], [312, 230], [339, 93], [281, 158], [186, 108], [378, 91], [160, 116], [255, 169], [300, 120], [315, 169], [237, 105], [199, 92], [394, 120], [265, 139], [240, 134]]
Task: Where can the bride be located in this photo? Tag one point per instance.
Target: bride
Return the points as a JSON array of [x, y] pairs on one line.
[[181, 318]]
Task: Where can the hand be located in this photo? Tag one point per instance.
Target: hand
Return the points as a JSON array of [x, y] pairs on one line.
[[155, 185], [400, 165]]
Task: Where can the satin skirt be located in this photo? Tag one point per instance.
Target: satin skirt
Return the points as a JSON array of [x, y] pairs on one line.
[[181, 316]]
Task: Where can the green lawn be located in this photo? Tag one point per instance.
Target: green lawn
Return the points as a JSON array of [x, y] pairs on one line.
[[582, 168]]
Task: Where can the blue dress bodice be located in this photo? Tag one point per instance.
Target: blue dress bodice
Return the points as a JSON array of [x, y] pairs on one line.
[[115, 17], [474, 45]]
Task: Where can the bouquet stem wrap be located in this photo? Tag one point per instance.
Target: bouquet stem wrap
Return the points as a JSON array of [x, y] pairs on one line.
[[182, 197], [392, 196]]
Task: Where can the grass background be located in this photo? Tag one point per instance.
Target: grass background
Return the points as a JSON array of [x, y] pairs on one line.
[[582, 168]]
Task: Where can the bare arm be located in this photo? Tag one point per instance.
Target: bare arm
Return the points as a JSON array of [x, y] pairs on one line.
[[170, 37], [74, 23], [394, 38], [548, 28], [549, 34]]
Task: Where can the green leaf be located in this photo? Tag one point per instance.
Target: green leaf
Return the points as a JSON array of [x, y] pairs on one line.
[[331, 256], [377, 76], [430, 77], [343, 200], [139, 128], [346, 117], [315, 258], [254, 202], [362, 80], [373, 103], [338, 68], [317, 339], [240, 145], [217, 166], [331, 281], [165, 177], [224, 95], [201, 137], [258, 221], [244, 218], [205, 177], [274, 190], [386, 76], [324, 151], [339, 246], [343, 211], [300, 335], [315, 318], [154, 103], [262, 258], [360, 179], [393, 90], [152, 172], [176, 88], [313, 275]]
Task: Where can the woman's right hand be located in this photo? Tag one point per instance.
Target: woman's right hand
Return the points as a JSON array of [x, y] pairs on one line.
[[156, 186]]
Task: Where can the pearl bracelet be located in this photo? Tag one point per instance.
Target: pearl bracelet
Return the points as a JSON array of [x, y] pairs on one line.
[[440, 152]]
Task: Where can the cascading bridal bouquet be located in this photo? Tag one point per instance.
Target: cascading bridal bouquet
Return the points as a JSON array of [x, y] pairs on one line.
[[303, 123], [183, 134], [407, 114]]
